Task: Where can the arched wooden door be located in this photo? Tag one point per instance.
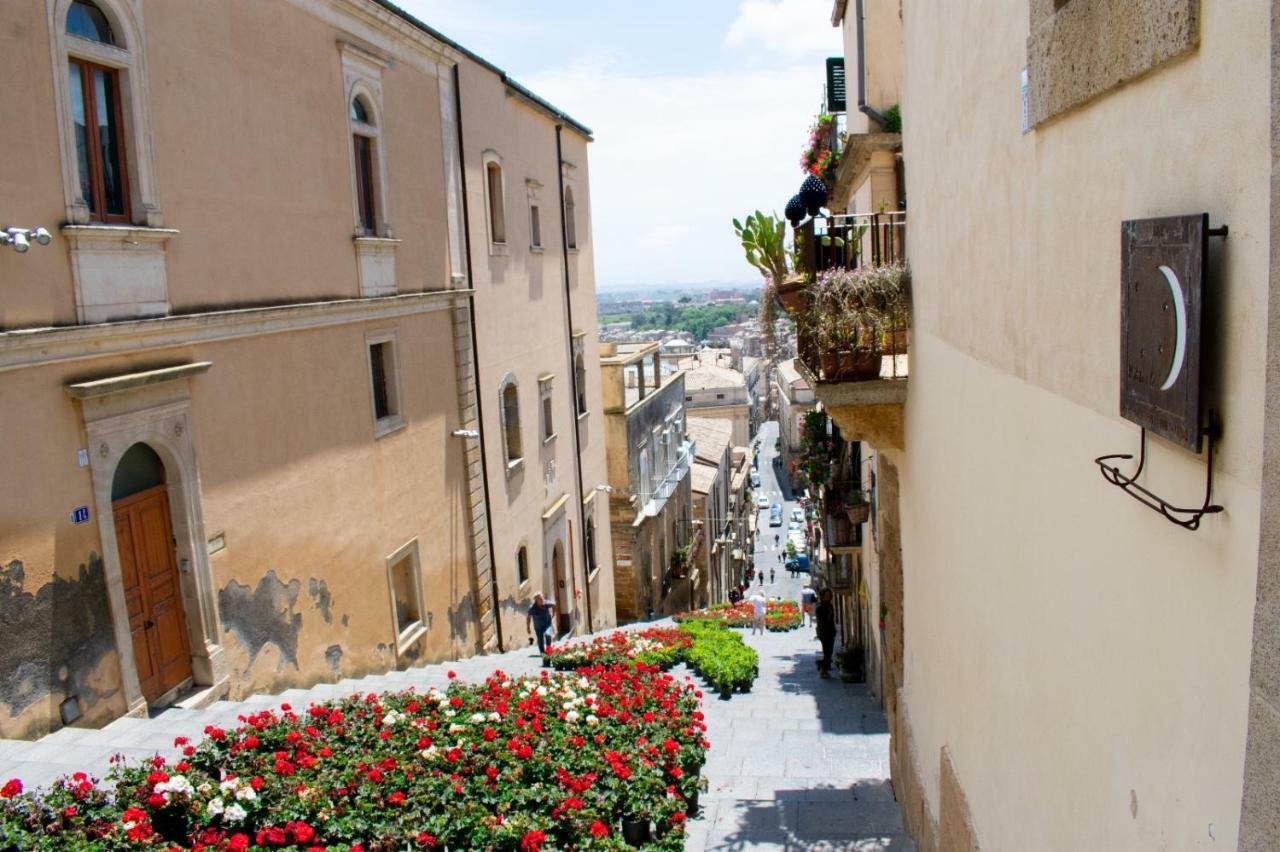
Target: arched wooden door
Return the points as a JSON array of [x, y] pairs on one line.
[[564, 620], [152, 589]]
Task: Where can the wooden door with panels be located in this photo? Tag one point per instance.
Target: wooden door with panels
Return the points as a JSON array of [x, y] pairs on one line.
[[153, 591]]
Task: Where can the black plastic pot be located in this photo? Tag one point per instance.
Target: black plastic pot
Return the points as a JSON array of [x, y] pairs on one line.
[[636, 832]]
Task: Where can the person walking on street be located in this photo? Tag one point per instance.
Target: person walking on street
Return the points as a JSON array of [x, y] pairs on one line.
[[538, 619], [807, 600], [776, 539], [758, 607], [771, 576], [826, 615]]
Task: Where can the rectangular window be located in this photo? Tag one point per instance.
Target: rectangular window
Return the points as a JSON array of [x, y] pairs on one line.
[[364, 184], [403, 577], [497, 214], [535, 226], [384, 384], [99, 136], [548, 424]]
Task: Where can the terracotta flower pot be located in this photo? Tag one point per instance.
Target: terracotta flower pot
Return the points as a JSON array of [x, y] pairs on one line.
[[830, 362], [791, 293], [860, 364]]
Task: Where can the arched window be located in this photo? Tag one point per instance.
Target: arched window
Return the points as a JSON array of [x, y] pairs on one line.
[[87, 21], [570, 218], [510, 407], [496, 204], [138, 470], [97, 116], [589, 540], [522, 565], [364, 144], [580, 381]]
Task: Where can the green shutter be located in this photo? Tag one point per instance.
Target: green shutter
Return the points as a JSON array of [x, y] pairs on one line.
[[836, 101]]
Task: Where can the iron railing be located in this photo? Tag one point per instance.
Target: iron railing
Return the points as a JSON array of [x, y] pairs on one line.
[[852, 241], [664, 489]]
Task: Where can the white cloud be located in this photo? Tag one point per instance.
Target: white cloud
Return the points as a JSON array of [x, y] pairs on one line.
[[677, 158], [792, 28]]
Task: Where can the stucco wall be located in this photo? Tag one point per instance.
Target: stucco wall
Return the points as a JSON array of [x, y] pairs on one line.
[[253, 158], [309, 504], [523, 333], [1066, 644]]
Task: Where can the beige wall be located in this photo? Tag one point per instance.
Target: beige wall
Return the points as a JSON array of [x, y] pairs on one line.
[[309, 503], [882, 39], [520, 290], [1076, 653], [253, 159]]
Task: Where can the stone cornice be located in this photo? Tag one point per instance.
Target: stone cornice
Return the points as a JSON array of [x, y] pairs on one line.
[[75, 343]]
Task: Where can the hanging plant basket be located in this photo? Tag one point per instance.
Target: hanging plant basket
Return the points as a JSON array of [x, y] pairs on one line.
[[858, 513]]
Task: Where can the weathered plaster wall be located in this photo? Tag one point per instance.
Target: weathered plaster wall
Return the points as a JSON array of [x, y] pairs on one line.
[[1063, 642], [310, 505]]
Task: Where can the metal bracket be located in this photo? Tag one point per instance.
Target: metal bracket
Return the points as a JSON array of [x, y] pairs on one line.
[[1186, 518]]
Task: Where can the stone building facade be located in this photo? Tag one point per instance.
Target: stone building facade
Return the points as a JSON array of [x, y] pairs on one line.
[[237, 383]]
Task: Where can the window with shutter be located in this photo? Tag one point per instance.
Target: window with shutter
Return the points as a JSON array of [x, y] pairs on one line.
[[837, 100]]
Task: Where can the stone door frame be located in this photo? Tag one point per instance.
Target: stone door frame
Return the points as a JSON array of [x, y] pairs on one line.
[[160, 417]]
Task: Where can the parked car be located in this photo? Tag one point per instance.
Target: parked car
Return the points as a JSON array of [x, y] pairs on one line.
[[762, 501], [797, 514], [755, 478], [775, 516]]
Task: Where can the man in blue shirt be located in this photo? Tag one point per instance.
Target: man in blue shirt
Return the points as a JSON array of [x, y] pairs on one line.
[[539, 619]]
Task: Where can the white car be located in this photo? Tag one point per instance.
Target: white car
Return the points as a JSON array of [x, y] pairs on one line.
[[755, 478], [794, 526], [762, 501], [797, 514]]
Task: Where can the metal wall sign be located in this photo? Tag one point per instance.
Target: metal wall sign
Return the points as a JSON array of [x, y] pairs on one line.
[[1162, 264]]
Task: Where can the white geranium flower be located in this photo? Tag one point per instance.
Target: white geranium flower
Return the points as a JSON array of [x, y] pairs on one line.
[[476, 718], [495, 716], [456, 728], [234, 813], [592, 721], [429, 752], [246, 794], [391, 719], [228, 786], [542, 691], [214, 807], [572, 716]]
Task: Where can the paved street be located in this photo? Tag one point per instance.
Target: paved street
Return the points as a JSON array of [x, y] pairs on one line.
[[798, 763]]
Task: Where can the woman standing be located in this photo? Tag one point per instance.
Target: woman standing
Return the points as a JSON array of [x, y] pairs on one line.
[[826, 618]]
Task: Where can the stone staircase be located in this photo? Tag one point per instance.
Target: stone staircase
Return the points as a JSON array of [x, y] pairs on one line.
[[38, 763]]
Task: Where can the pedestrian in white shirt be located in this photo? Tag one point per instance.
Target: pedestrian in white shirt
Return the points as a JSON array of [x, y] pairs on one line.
[[758, 607]]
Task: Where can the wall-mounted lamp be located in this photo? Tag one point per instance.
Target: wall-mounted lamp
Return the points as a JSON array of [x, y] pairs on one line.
[[21, 238], [466, 433]]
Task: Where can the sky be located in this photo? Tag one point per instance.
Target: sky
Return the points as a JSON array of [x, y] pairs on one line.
[[700, 110]]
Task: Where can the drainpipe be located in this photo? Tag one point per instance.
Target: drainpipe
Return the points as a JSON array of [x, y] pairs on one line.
[[573, 383], [475, 358], [873, 114]]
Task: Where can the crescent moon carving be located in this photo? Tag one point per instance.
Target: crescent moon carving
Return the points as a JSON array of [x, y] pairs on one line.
[[1180, 316]]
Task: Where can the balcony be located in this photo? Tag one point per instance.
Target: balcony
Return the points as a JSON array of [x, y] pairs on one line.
[[654, 502], [852, 306]]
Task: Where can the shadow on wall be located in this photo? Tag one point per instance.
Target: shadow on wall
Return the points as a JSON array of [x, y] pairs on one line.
[[57, 643]]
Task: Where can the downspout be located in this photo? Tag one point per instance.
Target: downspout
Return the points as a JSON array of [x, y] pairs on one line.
[[869, 112], [573, 384], [475, 357]]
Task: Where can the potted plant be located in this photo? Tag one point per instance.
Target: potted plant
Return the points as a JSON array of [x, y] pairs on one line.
[[856, 506], [848, 315]]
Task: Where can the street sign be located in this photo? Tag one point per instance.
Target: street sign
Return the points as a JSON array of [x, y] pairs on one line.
[[80, 515]]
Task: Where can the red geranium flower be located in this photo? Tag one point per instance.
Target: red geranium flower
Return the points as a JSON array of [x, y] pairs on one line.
[[11, 788], [533, 840]]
